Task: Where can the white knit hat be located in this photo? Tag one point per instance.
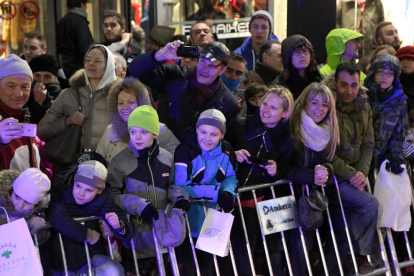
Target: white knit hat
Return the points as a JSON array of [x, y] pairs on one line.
[[31, 185], [92, 173], [212, 117], [13, 65]]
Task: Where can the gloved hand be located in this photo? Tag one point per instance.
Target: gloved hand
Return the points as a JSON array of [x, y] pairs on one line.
[[225, 201], [393, 164], [183, 204], [149, 212], [35, 223]]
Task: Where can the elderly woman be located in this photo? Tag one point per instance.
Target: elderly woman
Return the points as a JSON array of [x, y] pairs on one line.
[[123, 98], [92, 83]]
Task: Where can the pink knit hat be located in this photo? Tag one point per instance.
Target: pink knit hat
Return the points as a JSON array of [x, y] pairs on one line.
[[31, 185]]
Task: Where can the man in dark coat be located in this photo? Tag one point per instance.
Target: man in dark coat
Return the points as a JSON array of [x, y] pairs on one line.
[[183, 92], [269, 65]]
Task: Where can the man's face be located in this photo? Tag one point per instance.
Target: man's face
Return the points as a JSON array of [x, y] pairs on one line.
[[351, 51], [347, 86], [120, 71], [207, 72], [260, 30], [235, 70], [201, 35], [44, 77], [112, 30], [274, 58], [389, 35], [15, 90], [32, 48]]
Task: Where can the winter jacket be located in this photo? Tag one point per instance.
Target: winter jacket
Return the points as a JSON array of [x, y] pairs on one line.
[[63, 208], [177, 106], [19, 154], [93, 107], [249, 54], [407, 82], [203, 174], [372, 16], [335, 47], [263, 74], [356, 131], [73, 39], [389, 116], [37, 111], [267, 143], [133, 176]]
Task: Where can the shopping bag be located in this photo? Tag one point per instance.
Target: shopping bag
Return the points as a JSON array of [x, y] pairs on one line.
[[394, 196], [17, 252], [215, 233]]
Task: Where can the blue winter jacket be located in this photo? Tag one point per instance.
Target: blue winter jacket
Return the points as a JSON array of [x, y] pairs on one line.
[[203, 174], [249, 53]]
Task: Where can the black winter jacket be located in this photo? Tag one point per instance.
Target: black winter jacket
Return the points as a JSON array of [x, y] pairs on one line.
[[177, 106], [63, 208]]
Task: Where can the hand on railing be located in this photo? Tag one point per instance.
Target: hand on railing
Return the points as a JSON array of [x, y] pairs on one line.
[[94, 238], [106, 230], [321, 175]]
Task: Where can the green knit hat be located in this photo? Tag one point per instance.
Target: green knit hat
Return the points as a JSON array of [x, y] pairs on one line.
[[145, 117]]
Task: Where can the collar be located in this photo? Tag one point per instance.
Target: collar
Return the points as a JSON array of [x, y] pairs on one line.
[[79, 11], [146, 152]]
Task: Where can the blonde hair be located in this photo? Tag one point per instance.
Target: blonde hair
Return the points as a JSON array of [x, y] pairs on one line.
[[283, 93], [302, 103]]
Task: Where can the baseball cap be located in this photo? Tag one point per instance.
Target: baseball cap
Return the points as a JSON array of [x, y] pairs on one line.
[[217, 53]]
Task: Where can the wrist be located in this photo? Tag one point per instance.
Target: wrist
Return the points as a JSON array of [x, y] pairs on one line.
[[158, 57]]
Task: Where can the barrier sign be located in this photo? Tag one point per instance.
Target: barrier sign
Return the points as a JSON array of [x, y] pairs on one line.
[[29, 10], [278, 214], [226, 30], [8, 10]]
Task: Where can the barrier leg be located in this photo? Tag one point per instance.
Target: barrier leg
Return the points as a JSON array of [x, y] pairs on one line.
[[393, 253], [192, 246], [65, 265], [88, 257], [134, 254], [158, 254], [346, 229], [174, 265], [249, 250], [263, 236], [214, 256], [36, 242], [341, 271], [110, 247], [282, 234]]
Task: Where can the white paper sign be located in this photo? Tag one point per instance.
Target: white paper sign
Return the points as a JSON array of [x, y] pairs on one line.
[[278, 214]]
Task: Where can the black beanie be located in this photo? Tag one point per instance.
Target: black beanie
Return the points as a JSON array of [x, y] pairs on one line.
[[46, 63]]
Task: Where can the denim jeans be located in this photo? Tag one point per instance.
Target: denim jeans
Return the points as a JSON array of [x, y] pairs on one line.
[[101, 266], [361, 212]]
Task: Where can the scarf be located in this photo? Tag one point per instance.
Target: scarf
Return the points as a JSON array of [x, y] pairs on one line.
[[231, 84], [203, 92], [7, 112], [316, 136]]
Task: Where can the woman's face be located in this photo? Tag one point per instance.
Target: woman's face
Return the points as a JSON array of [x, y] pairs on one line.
[[317, 108], [20, 204], [95, 64], [126, 104], [407, 65], [271, 110], [384, 77], [245, 83], [301, 58]]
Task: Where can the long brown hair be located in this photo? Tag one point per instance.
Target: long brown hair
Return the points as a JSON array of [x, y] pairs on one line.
[[302, 103]]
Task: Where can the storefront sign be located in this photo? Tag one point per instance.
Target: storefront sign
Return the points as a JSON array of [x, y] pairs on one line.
[[278, 214], [29, 10], [226, 30], [8, 10]]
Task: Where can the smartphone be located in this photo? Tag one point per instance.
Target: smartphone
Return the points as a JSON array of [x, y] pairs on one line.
[[29, 130], [259, 161], [188, 51]]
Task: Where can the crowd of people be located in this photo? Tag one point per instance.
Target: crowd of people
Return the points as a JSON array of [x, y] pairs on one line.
[[153, 135]]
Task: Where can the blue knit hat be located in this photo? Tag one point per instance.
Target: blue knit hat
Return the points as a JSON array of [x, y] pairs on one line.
[[13, 65]]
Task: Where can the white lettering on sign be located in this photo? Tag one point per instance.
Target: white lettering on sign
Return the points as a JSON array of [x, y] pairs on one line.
[[226, 30], [278, 214]]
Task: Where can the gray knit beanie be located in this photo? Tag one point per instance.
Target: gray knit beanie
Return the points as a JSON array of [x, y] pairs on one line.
[[213, 117], [13, 65]]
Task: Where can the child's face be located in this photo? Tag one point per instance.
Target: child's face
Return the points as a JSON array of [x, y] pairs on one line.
[[83, 193], [254, 100], [385, 77], [141, 138], [208, 137], [20, 204]]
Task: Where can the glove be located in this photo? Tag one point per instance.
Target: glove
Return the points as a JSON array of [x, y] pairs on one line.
[[183, 204], [393, 164], [35, 223], [149, 212], [225, 201]]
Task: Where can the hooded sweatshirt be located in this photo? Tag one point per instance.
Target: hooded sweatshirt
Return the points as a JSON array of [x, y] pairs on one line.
[[249, 54], [335, 47]]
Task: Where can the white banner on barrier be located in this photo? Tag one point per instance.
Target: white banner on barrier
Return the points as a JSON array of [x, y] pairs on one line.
[[278, 214]]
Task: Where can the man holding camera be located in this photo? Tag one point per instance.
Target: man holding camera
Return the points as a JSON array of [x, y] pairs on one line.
[[183, 92], [17, 152]]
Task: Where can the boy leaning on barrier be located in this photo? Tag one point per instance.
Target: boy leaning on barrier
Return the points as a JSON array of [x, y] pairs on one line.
[[85, 197], [139, 180], [205, 166]]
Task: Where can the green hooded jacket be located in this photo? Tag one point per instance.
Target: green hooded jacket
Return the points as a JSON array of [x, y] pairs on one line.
[[335, 47]]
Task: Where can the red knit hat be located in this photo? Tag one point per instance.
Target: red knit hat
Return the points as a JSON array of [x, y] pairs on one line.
[[405, 52]]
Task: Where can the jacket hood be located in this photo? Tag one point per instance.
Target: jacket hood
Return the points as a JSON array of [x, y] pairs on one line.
[[361, 97], [335, 44], [119, 127], [386, 61], [290, 44], [249, 54]]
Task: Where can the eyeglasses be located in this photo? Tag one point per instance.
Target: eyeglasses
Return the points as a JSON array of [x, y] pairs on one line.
[[276, 55], [300, 51], [388, 74]]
